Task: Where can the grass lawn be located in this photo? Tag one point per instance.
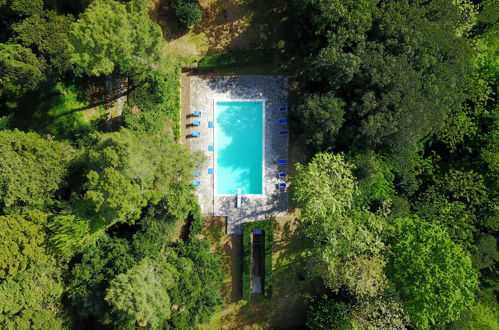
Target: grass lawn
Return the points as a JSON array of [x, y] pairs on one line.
[[61, 110], [227, 25], [291, 285]]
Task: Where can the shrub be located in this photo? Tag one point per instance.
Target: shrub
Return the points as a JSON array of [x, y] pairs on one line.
[[238, 58], [188, 11], [153, 102], [267, 226]]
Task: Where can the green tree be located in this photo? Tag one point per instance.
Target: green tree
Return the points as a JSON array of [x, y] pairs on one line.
[[21, 244], [32, 299], [126, 172], [89, 278], [375, 177], [142, 292], [113, 198], [31, 168], [398, 66], [380, 313], [325, 313], [198, 287], [20, 70], [25, 7], [433, 275], [347, 245], [47, 33], [323, 117], [114, 37], [188, 11]]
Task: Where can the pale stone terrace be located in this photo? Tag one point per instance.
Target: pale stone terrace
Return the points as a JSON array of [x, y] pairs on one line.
[[273, 89]]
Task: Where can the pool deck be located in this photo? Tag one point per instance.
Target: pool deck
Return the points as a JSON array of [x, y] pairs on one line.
[[203, 91]]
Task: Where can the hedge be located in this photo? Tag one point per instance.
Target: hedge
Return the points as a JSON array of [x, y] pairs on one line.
[[268, 228], [237, 58]]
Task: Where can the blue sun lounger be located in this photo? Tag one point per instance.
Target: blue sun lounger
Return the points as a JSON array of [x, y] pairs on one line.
[[281, 185], [196, 134], [283, 121], [283, 132], [196, 123], [196, 113], [284, 108], [282, 161], [196, 183], [211, 124], [211, 170], [211, 148], [196, 173], [283, 174]]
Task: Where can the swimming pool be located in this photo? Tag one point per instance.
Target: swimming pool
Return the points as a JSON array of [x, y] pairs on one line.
[[239, 149]]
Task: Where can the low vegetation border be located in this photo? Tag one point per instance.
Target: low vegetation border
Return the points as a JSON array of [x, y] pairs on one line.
[[237, 58], [267, 226]]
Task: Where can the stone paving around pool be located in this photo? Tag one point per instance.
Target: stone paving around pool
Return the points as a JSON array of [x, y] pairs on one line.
[[273, 89]]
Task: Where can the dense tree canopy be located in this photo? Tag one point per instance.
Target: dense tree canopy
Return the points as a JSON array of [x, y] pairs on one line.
[[126, 172], [90, 277], [433, 275], [31, 168], [348, 249], [20, 70], [48, 34], [99, 223], [398, 67], [142, 292], [114, 37], [32, 299], [21, 244]]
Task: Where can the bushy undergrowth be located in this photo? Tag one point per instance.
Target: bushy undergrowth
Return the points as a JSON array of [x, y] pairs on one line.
[[154, 102], [237, 58]]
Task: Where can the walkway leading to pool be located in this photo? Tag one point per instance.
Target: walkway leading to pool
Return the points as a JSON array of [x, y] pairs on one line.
[[204, 91]]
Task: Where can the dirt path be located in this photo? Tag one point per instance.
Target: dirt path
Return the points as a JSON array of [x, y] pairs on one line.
[[116, 90]]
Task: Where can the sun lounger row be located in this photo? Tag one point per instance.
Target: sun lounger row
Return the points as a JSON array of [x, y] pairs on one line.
[[197, 174]]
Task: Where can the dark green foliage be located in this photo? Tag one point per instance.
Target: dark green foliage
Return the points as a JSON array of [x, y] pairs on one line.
[[398, 66], [485, 256], [154, 102], [198, 287], [48, 34], [432, 274], [125, 172], [25, 7], [89, 278], [325, 313], [31, 168], [237, 58], [157, 230], [141, 294], [32, 299], [322, 116], [21, 243], [196, 226], [20, 70], [375, 177], [188, 12], [115, 37], [267, 226]]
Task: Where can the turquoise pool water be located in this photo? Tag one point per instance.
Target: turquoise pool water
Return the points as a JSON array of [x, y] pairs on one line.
[[238, 147]]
